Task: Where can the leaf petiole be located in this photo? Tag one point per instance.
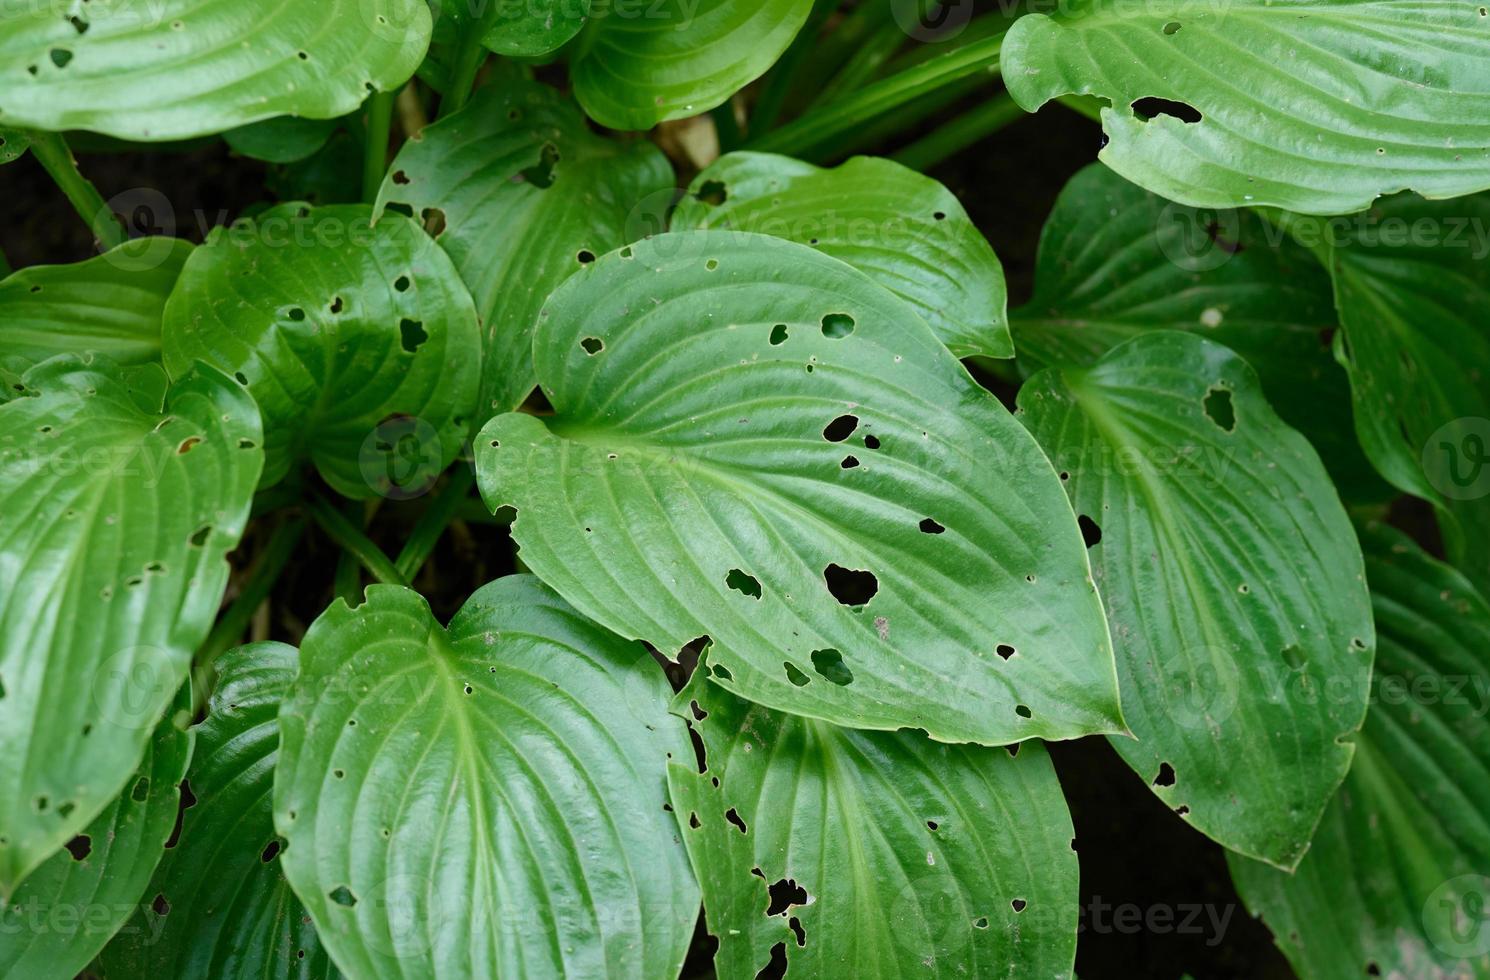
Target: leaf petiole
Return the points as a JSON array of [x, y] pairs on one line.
[[53, 153], [351, 539]]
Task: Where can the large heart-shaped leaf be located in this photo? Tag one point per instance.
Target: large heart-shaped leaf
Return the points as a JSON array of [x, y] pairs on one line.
[[1232, 580], [637, 64], [172, 69], [529, 195], [908, 232], [1413, 288], [1116, 261], [834, 852], [116, 521], [66, 910], [224, 908], [757, 442], [1397, 881], [483, 801], [357, 340], [533, 28], [1314, 105], [111, 304]]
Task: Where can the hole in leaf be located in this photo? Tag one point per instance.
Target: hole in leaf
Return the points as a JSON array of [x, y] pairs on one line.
[[1218, 408], [271, 850], [79, 847], [870, 442], [400, 178], [784, 894], [849, 462], [1152, 106], [61, 57], [722, 672], [693, 821], [592, 345], [796, 928], [733, 816], [1172, 28], [1293, 656], [836, 326], [775, 968], [342, 895], [1090, 532], [841, 428], [743, 583], [584, 256], [1166, 775], [1018, 905], [829, 663], [160, 906], [1004, 650], [795, 675], [187, 445], [1023, 711], [141, 789], [296, 314], [712, 192], [199, 536], [411, 335], [981, 922], [929, 526], [541, 174], [850, 586], [402, 284], [778, 335], [337, 305]]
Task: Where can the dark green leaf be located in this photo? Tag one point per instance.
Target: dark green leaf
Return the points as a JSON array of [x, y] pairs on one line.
[[282, 139], [533, 28], [13, 144]]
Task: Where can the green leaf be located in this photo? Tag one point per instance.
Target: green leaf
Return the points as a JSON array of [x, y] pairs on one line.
[[907, 232], [485, 800], [1398, 875], [640, 64], [13, 144], [358, 341], [111, 304], [230, 912], [1413, 288], [1116, 261], [528, 194], [1314, 105], [282, 139], [66, 910], [173, 69], [841, 853], [533, 28], [745, 427], [1232, 581], [117, 518]]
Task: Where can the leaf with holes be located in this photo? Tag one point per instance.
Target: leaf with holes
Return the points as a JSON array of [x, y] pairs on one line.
[[1232, 580], [908, 232], [528, 194], [485, 800], [636, 65], [173, 69], [65, 910], [1318, 106], [111, 304], [1116, 261], [757, 442], [832, 852], [1413, 287], [357, 340], [533, 28], [13, 144], [1397, 880], [116, 521], [224, 908]]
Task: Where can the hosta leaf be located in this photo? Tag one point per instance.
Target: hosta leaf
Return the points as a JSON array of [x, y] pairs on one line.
[[533, 28], [111, 304], [228, 911], [1116, 261], [173, 69], [482, 801], [842, 853], [757, 442], [283, 139], [1232, 580], [116, 521], [65, 910], [13, 144], [908, 232], [636, 65], [1397, 881], [1413, 287], [528, 194], [1314, 105], [358, 341]]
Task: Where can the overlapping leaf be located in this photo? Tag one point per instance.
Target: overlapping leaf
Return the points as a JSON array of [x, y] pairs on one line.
[[282, 139], [1232, 580], [908, 232], [1318, 106], [835, 852], [533, 28], [111, 304], [173, 69], [1397, 880], [485, 801], [225, 909], [357, 340], [13, 144], [528, 195], [116, 518], [757, 442]]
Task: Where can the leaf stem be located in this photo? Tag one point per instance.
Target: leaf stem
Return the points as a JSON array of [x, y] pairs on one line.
[[960, 133], [375, 147], [261, 579], [779, 82], [470, 55], [53, 153], [432, 523], [351, 539]]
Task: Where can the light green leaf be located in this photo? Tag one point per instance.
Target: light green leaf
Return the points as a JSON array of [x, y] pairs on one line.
[[841, 853], [1398, 876], [229, 911], [111, 304], [173, 69], [533, 28], [1232, 580], [907, 232], [528, 194], [1412, 283], [358, 341], [66, 910], [638, 64], [116, 521], [1314, 105], [282, 139], [1116, 261], [13, 144], [482, 801], [745, 426]]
